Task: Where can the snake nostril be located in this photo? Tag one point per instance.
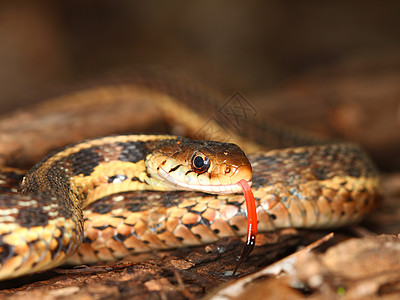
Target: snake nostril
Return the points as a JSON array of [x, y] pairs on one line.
[[227, 169]]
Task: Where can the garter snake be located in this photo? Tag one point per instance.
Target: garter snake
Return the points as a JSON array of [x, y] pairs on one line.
[[311, 186]]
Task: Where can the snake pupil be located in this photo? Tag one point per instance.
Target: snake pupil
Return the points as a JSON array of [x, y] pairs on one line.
[[198, 162]]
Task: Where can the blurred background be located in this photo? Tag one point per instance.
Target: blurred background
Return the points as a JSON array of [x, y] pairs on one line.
[[332, 67]]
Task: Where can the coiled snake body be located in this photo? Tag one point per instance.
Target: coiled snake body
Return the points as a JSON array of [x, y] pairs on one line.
[[316, 186]]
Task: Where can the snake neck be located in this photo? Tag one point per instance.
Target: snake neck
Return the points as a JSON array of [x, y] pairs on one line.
[[115, 177], [93, 169]]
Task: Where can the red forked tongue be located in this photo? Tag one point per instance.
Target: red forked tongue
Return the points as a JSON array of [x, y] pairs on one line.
[[251, 223]]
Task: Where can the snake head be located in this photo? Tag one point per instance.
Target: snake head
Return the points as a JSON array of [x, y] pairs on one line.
[[206, 166]]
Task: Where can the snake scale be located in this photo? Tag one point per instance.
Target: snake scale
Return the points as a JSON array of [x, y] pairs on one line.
[[98, 200]]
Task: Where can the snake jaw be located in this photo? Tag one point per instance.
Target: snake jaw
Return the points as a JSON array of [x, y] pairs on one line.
[[164, 179]]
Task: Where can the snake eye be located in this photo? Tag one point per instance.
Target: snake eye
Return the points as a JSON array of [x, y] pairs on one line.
[[200, 162]]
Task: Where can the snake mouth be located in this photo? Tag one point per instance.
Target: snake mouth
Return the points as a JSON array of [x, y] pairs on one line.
[[169, 181]]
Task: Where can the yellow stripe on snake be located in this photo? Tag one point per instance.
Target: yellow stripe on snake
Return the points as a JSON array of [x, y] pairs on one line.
[[71, 206]]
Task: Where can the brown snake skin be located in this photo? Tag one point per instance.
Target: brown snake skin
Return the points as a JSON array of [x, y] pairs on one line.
[[306, 187]]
